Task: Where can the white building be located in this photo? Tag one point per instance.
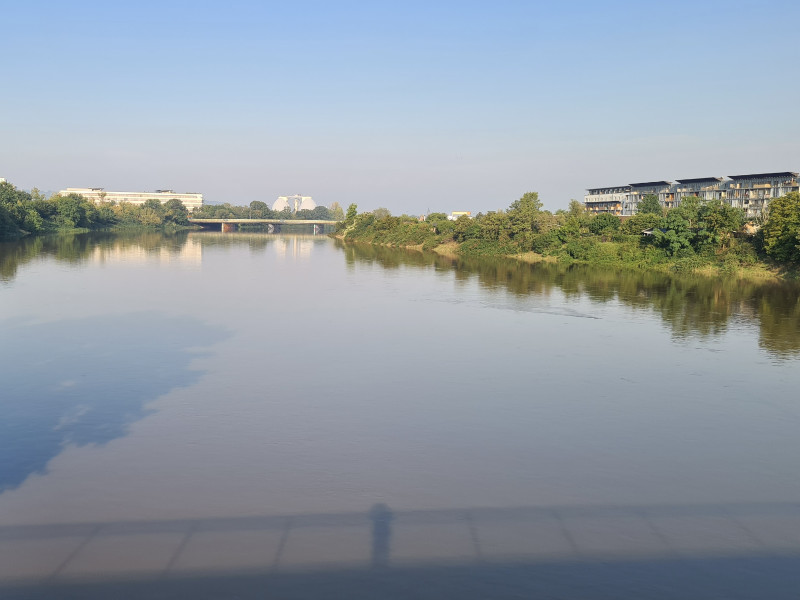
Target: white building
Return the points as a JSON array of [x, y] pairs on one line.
[[293, 203], [751, 193], [190, 201]]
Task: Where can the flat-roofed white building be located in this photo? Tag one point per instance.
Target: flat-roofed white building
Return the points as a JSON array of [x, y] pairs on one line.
[[190, 200], [751, 193], [293, 203], [706, 188], [607, 199]]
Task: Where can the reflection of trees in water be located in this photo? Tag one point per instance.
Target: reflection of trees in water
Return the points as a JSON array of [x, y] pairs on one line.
[[391, 258], [80, 247], [690, 305], [778, 313], [255, 241]]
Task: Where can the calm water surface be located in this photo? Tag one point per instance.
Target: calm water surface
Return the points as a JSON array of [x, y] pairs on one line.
[[212, 375]]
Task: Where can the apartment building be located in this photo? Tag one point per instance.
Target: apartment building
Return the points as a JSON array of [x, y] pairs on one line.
[[751, 192]]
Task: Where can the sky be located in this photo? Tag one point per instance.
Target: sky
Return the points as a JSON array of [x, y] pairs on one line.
[[415, 106]]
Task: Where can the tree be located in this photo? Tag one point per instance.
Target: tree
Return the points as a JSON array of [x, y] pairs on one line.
[[259, 209], [496, 226], [336, 211], [320, 213], [781, 232], [352, 212], [718, 222], [381, 213], [522, 216], [649, 204], [176, 212], [604, 223], [641, 222], [676, 235], [71, 211], [465, 228], [576, 209]]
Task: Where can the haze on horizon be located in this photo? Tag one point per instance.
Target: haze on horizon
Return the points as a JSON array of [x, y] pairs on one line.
[[412, 106]]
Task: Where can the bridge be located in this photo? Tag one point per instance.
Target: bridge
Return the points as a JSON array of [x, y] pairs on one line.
[[656, 552], [228, 225]]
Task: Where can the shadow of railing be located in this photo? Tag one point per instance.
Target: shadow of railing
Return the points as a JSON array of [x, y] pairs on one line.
[[407, 554]]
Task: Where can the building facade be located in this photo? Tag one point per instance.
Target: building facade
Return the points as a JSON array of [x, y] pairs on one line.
[[293, 203], [190, 200], [607, 200], [751, 193]]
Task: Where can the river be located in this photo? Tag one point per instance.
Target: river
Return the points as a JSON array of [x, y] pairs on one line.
[[202, 376]]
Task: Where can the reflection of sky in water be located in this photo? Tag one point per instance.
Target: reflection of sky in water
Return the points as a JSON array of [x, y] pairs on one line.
[[83, 381]]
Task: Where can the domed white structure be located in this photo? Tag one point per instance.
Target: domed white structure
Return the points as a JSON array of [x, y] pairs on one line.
[[293, 203]]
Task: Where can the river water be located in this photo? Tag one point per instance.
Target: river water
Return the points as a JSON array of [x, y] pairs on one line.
[[221, 376]]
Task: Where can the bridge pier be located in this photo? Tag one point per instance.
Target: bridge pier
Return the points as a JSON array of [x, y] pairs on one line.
[[228, 227]]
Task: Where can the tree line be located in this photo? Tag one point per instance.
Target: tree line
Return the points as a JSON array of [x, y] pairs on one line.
[[261, 210], [31, 212], [692, 236]]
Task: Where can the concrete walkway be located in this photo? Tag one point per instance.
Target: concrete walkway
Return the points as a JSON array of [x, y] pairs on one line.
[[50, 554]]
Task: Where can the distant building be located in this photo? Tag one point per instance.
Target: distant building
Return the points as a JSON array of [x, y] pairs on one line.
[[293, 203], [607, 199], [751, 193], [190, 201], [453, 216]]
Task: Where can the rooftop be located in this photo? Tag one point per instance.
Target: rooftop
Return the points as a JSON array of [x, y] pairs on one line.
[[701, 180], [764, 175], [608, 188], [651, 183]]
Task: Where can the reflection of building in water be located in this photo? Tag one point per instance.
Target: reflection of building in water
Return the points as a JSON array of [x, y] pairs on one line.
[[186, 252], [190, 200], [294, 246], [294, 203]]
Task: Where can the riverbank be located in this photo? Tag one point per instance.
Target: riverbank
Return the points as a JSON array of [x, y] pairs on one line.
[[711, 239], [616, 255]]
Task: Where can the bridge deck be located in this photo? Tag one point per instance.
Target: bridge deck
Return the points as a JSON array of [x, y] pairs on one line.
[[273, 221]]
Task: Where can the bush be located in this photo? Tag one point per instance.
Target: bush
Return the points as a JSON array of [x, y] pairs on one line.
[[604, 223]]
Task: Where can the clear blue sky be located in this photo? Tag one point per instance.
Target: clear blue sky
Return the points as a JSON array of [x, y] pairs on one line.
[[408, 105]]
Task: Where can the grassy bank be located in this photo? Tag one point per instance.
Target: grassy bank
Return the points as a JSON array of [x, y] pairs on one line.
[[578, 238]]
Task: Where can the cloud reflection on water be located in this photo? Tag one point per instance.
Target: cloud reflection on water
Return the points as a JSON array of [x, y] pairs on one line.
[[84, 381]]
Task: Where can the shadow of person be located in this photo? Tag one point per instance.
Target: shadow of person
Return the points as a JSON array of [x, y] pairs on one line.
[[381, 534]]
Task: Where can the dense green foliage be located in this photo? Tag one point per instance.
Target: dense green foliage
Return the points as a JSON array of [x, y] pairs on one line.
[[25, 213], [260, 210], [781, 233], [693, 236], [649, 206], [22, 212]]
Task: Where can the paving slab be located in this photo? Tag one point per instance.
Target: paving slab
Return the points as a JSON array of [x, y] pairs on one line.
[[35, 560], [322, 547], [212, 551], [422, 542], [779, 533], [616, 537], [540, 538], [705, 535], [129, 554]]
